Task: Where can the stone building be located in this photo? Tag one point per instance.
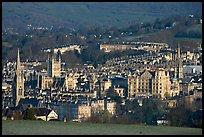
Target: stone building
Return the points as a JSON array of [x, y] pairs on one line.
[[71, 81], [101, 105], [120, 91], [139, 85], [74, 112], [161, 84], [149, 83], [54, 64]]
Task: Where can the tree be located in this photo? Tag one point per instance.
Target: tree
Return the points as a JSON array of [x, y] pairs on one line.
[[139, 115], [151, 110], [17, 115], [102, 116], [29, 114], [114, 95], [183, 116]]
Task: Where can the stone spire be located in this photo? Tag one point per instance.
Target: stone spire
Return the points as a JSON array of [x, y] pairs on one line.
[[19, 81], [178, 52], [18, 60], [179, 61]]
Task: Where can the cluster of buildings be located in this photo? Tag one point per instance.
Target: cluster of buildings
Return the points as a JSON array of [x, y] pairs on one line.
[[65, 48], [150, 46], [78, 93]]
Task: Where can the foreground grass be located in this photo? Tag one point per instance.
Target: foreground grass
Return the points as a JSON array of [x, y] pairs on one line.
[[21, 127]]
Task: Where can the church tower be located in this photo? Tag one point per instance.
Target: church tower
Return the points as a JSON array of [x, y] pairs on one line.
[[179, 64], [54, 64], [49, 64], [19, 82]]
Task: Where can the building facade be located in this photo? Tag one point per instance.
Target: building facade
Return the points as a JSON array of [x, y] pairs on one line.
[[161, 84], [139, 85], [54, 64], [155, 83]]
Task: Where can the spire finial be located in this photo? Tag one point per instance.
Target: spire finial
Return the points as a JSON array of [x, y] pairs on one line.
[[18, 59]]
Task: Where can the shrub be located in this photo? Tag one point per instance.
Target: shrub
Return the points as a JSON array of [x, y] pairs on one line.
[[29, 114]]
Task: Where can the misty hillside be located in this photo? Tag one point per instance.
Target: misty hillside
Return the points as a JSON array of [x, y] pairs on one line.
[[82, 14]]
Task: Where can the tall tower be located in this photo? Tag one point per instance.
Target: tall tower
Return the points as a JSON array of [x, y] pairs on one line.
[[19, 82], [179, 64], [54, 64], [49, 64]]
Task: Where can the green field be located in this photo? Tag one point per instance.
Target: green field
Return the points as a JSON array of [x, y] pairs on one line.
[[21, 127]]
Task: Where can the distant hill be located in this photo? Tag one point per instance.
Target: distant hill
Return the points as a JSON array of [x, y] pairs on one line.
[[83, 14]]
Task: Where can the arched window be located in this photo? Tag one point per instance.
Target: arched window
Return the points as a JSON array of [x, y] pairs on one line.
[[20, 91]]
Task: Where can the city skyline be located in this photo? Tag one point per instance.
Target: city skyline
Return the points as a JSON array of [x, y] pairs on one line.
[[145, 72]]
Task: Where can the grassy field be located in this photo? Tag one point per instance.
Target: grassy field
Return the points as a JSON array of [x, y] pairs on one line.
[[21, 127]]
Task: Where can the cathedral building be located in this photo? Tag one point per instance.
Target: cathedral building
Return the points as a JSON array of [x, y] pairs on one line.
[[54, 64], [53, 70]]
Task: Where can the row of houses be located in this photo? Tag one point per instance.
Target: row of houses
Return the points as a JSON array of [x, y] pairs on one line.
[[39, 114], [59, 111], [133, 45]]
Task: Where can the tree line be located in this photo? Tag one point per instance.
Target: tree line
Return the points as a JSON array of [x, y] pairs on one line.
[[32, 41], [151, 110]]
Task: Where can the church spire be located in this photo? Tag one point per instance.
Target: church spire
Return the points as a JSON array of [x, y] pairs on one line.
[[19, 81], [18, 60], [180, 64], [178, 52]]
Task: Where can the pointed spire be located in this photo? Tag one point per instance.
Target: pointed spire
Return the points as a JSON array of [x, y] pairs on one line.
[[178, 45], [178, 51], [18, 60]]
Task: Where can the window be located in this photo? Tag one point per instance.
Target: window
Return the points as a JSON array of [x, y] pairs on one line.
[[20, 91]]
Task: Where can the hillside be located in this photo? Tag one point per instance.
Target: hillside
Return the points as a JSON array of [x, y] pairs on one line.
[[21, 127], [91, 19], [82, 14]]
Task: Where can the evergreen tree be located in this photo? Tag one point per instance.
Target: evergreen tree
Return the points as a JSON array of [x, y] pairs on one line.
[[29, 114]]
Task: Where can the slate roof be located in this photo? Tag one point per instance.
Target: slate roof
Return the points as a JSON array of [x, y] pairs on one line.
[[186, 80], [197, 79], [42, 111], [33, 101]]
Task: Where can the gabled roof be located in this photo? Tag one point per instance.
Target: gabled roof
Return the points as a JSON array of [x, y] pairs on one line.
[[146, 74], [42, 111]]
